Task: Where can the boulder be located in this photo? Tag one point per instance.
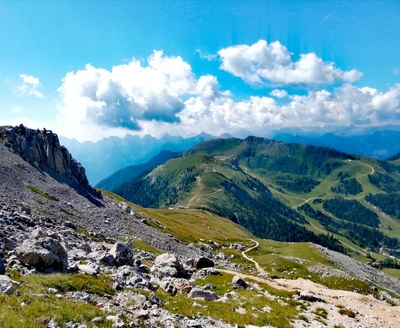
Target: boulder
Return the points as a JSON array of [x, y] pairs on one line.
[[182, 285], [203, 262], [238, 282], [167, 265], [202, 273], [221, 256], [168, 287], [167, 260], [164, 272], [153, 299], [43, 253], [122, 253], [90, 268], [308, 296], [38, 233], [128, 276], [106, 259], [6, 285], [205, 295]]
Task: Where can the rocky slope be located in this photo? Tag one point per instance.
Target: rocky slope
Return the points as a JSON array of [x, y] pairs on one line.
[[51, 221]]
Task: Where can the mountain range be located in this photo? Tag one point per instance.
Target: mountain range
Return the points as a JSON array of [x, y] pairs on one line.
[[75, 256], [118, 153], [281, 191]]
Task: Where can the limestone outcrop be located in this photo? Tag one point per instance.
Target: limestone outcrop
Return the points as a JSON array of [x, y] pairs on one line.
[[42, 149]]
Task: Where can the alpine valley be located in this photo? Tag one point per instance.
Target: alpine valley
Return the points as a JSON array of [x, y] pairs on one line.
[[232, 232]]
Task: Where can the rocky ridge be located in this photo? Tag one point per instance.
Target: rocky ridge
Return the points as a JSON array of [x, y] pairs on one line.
[[42, 149]]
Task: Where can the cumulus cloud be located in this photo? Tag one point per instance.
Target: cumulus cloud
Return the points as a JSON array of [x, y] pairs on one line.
[[129, 93], [278, 93], [216, 112], [29, 86], [262, 64], [162, 95]]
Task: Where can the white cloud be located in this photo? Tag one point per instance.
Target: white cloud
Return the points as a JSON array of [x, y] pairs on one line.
[[396, 70], [278, 93], [29, 86], [163, 96], [129, 93], [261, 64], [209, 57], [216, 113]]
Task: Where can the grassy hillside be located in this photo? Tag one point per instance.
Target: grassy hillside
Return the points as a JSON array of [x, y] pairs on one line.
[[261, 184]]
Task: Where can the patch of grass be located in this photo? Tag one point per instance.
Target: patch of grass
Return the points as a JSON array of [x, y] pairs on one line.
[[113, 195], [303, 317], [347, 312], [145, 247], [42, 193], [319, 319], [354, 285], [68, 213], [25, 312], [321, 312], [85, 233], [192, 225], [38, 201], [69, 282], [31, 311], [251, 300]]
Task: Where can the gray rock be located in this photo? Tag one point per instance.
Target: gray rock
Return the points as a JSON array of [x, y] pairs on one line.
[[142, 314], [90, 268], [77, 254], [202, 273], [132, 277], [167, 265], [6, 285], [167, 260], [9, 243], [122, 253], [203, 294], [106, 259], [154, 299], [238, 282], [169, 287], [71, 225], [308, 296], [44, 253], [83, 296], [52, 324], [164, 272], [204, 262], [221, 256], [38, 233], [194, 324]]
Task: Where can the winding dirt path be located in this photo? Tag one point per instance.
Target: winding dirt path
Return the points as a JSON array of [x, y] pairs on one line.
[[258, 267], [369, 311], [201, 192]]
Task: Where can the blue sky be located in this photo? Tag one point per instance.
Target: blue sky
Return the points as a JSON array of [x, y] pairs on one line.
[[91, 69]]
